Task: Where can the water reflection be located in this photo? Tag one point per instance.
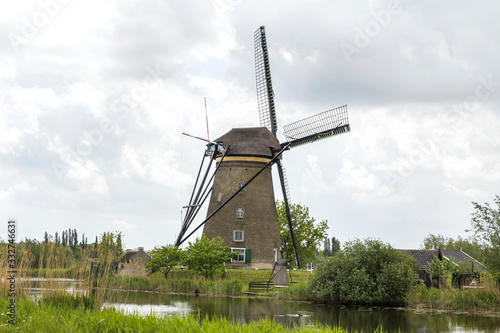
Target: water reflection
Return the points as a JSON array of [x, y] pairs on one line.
[[35, 285], [302, 314]]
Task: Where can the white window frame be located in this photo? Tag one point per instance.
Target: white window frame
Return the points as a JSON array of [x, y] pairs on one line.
[[240, 212], [241, 253], [242, 235]]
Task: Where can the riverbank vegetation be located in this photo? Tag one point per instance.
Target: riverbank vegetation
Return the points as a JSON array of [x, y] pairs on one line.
[[233, 282], [485, 299], [66, 315], [365, 272]]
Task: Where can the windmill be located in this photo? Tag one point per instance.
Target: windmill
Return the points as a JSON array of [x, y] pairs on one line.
[[242, 204]]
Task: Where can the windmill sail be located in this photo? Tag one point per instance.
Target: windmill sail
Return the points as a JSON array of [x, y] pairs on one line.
[[287, 199], [265, 94], [317, 127], [267, 113]]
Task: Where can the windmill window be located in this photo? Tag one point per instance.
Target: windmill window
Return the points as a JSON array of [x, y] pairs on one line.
[[238, 236], [241, 254], [239, 213]]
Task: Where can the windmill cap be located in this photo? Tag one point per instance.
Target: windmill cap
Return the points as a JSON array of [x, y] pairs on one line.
[[250, 141]]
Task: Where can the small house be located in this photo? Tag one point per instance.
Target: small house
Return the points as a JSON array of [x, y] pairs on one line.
[[133, 262], [425, 257]]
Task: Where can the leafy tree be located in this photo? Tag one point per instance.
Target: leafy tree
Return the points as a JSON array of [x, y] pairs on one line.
[[486, 226], [75, 238], [308, 233], [327, 250], [335, 245], [433, 242], [163, 258], [364, 272], [207, 257], [444, 270], [109, 250], [441, 269], [119, 244]]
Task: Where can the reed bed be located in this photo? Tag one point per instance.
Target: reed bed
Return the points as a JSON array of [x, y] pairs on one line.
[[50, 279], [485, 298]]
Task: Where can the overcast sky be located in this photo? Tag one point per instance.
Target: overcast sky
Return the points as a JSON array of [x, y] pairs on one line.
[[94, 96]]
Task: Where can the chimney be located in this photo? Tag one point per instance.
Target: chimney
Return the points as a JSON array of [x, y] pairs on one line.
[[140, 248]]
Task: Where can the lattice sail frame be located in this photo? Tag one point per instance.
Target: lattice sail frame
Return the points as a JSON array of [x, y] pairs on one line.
[[323, 125], [265, 93]]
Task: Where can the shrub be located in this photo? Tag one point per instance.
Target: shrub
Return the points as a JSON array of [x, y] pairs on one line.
[[364, 272]]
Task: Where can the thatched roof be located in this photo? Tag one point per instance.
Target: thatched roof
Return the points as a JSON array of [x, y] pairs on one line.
[[253, 141]]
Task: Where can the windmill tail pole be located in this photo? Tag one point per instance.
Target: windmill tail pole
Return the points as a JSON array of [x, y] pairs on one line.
[[200, 189], [236, 193], [206, 116], [204, 195]]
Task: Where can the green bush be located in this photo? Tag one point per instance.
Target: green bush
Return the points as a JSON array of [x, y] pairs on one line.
[[364, 272]]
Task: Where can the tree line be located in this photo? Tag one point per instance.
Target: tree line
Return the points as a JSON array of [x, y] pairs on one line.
[[67, 238]]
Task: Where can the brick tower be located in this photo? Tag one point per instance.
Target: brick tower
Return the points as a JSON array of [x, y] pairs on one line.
[[249, 222]]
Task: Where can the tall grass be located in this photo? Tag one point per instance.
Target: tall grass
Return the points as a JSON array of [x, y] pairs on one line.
[[46, 281], [486, 298], [294, 292], [38, 316]]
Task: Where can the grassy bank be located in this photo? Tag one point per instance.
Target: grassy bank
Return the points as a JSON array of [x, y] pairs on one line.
[[66, 315], [485, 299], [235, 282], [156, 282]]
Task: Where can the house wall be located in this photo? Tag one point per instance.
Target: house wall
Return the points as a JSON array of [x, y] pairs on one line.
[[135, 265]]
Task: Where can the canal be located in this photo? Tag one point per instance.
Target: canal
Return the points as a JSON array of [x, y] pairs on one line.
[[303, 314]]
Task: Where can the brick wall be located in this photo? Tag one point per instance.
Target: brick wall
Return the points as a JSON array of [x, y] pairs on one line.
[[133, 263]]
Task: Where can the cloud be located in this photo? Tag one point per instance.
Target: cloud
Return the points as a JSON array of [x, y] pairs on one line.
[[364, 185], [413, 79], [471, 193], [119, 224]]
